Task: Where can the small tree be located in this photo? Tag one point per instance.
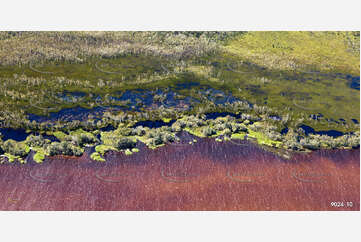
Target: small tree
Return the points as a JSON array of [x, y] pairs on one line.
[[126, 143], [64, 148], [15, 148], [35, 141]]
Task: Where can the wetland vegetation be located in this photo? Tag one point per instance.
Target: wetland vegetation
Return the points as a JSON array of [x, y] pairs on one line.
[[62, 92]]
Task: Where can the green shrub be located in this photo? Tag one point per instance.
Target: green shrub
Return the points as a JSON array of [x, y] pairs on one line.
[[84, 139], [35, 141], [64, 148], [81, 138], [208, 131], [227, 132], [177, 126], [126, 143], [236, 127], [97, 157], [15, 148], [140, 131], [166, 137]]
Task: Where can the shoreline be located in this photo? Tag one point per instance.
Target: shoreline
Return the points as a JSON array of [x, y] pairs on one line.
[[222, 129]]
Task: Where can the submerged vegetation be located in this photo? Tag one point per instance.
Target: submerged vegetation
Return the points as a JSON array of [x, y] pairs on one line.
[[112, 90]]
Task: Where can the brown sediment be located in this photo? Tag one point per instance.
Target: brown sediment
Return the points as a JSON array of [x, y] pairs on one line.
[[207, 175]]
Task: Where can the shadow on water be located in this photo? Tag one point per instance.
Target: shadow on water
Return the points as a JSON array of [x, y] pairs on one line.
[[215, 115], [21, 135], [153, 124], [309, 130], [15, 134]]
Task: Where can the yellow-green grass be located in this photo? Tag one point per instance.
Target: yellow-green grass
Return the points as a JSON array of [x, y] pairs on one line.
[[239, 136], [262, 139], [59, 135], [128, 152], [97, 157], [166, 120], [102, 149], [285, 50], [40, 154], [39, 157]]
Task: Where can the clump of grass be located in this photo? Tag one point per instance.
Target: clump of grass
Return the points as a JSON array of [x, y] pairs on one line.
[[15, 148], [97, 157]]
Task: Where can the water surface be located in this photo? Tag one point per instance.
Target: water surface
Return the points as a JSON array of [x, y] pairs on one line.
[[207, 175]]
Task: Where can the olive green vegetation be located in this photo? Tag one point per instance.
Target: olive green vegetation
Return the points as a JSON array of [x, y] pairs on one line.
[[58, 134], [39, 156], [291, 75], [97, 157]]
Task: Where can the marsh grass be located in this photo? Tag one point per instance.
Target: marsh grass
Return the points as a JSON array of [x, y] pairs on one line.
[[307, 51]]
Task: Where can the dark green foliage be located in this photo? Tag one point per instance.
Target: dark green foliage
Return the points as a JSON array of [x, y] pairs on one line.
[[84, 139], [126, 143], [166, 137], [64, 148], [157, 139], [140, 131], [160, 136]]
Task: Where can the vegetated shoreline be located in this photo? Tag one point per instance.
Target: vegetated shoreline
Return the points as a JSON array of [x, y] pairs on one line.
[[125, 137]]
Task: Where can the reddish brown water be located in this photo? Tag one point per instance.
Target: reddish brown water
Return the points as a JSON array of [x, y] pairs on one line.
[[205, 176]]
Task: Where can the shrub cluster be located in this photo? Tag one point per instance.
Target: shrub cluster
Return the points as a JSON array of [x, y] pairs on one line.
[[15, 148], [314, 142], [160, 136], [208, 131], [35, 141], [83, 139], [126, 143], [64, 148]]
